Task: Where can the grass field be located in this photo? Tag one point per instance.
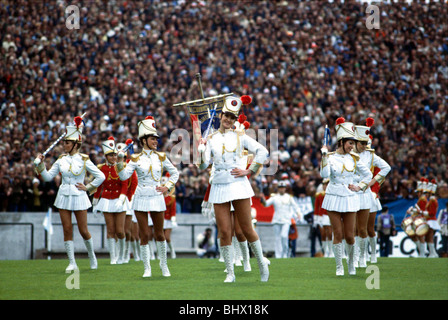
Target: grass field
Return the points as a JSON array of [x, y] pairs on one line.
[[202, 279]]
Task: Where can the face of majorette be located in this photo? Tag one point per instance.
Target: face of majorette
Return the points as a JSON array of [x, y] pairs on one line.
[[227, 120], [151, 142], [112, 158], [361, 146]]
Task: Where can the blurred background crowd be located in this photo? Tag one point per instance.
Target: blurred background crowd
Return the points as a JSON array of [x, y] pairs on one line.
[[305, 63]]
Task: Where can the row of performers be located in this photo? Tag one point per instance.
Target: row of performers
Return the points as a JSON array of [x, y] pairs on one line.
[[137, 185], [420, 222]]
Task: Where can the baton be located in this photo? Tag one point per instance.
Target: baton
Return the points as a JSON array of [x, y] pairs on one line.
[[37, 160], [201, 147], [326, 135], [125, 149]]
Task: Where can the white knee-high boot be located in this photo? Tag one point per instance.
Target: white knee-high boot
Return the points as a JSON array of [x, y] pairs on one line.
[[350, 259], [262, 265], [112, 250], [227, 255], [161, 253], [362, 252], [70, 249], [120, 253], [146, 261], [245, 253], [91, 253], [372, 241], [338, 252]]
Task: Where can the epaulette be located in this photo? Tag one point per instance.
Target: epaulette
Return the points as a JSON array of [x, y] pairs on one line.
[[330, 153], [100, 165], [273, 194], [320, 193], [371, 150], [354, 155], [84, 156], [135, 157], [162, 155], [62, 155]]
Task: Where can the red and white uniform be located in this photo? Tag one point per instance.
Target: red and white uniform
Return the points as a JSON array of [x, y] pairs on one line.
[[170, 213], [111, 194]]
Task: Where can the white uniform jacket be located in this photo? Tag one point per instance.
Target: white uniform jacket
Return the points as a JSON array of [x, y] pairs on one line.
[[73, 170], [285, 208], [149, 166], [371, 160], [341, 171], [225, 150]]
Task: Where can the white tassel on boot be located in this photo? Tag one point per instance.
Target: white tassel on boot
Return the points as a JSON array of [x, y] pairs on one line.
[[161, 253], [70, 249], [91, 253], [120, 253], [112, 250], [350, 259], [372, 241], [245, 254], [144, 249], [338, 252], [262, 265], [227, 255]]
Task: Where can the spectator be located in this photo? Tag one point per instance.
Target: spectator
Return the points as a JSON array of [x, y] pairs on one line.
[[386, 229], [206, 244]]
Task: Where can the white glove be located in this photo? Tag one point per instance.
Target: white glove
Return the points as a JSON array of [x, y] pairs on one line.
[[122, 198], [121, 154], [324, 150], [201, 148], [173, 221]]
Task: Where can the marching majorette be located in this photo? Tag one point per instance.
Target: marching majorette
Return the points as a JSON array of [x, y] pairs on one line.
[[130, 225], [110, 199], [323, 221], [421, 205], [432, 207], [170, 217], [230, 185], [367, 199], [72, 194], [341, 200], [285, 209], [149, 166]]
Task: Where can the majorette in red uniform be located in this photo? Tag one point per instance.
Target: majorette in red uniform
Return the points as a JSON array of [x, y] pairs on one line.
[[322, 220], [110, 199], [131, 226], [432, 207]]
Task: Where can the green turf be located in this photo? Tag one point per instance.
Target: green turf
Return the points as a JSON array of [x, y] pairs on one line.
[[202, 279]]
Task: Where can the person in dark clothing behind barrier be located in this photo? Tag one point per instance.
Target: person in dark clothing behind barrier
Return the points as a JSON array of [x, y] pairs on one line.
[[386, 228]]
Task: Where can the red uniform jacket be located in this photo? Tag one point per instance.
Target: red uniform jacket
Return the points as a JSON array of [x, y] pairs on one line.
[[170, 202], [318, 210], [422, 203], [112, 187], [432, 207], [376, 187], [132, 184]]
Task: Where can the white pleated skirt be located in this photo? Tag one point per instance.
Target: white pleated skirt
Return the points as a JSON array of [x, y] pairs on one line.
[[341, 204], [110, 205], [433, 224], [376, 205], [149, 204], [225, 192], [72, 203], [366, 200]]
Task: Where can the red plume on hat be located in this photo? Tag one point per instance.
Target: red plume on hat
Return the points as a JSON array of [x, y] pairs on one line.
[[433, 181], [128, 142], [111, 138], [149, 118], [370, 122], [78, 121], [242, 118], [340, 120], [246, 99]]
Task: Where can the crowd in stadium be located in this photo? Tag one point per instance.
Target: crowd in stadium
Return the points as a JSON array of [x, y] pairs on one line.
[[304, 63]]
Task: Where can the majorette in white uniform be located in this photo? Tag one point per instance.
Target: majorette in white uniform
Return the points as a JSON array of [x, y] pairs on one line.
[[226, 151], [340, 169], [73, 169], [285, 209], [368, 199], [149, 166]]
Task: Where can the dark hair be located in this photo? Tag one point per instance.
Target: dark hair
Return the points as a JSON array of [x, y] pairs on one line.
[[146, 136], [385, 209]]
